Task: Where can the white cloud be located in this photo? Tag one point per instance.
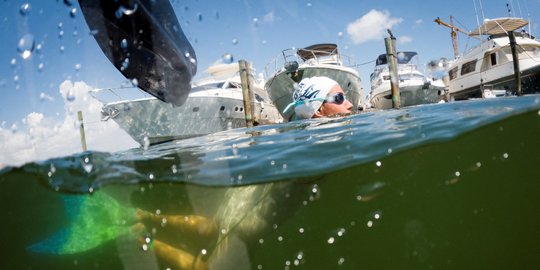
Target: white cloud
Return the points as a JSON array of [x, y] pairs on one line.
[[371, 26], [404, 39], [41, 137]]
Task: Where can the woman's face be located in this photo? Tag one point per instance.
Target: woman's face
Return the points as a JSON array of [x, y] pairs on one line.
[[331, 107]]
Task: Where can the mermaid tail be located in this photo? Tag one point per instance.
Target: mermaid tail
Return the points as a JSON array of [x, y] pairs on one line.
[[95, 219]]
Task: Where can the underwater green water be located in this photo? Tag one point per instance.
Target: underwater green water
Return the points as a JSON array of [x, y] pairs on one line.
[[443, 186]]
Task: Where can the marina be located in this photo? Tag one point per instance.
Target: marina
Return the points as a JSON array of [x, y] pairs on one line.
[[173, 146]]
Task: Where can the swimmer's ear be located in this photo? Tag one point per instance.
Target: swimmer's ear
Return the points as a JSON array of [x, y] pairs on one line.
[[318, 114]]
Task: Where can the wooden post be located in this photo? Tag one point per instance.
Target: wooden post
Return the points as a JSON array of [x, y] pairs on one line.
[[81, 129], [515, 58], [246, 92], [390, 43]]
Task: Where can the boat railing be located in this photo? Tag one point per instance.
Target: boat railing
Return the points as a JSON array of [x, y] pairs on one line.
[[290, 55], [117, 94]]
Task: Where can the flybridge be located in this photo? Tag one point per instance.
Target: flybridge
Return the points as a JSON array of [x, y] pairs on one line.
[[499, 26]]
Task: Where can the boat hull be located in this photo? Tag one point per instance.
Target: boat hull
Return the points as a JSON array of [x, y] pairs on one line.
[[409, 96], [280, 87], [151, 121], [530, 84]]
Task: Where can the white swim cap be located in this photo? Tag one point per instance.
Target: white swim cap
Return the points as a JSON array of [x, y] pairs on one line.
[[310, 95]]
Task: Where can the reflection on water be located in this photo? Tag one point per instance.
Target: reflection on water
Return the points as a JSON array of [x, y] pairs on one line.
[[452, 186]]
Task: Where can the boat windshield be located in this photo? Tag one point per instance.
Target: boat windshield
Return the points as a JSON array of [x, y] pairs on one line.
[[402, 57]]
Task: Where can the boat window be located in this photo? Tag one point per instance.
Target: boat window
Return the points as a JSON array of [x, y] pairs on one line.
[[468, 67], [234, 85], [493, 57], [453, 73]]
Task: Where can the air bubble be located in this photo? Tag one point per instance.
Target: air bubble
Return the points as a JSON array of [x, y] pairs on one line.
[[77, 67], [235, 41], [331, 240]]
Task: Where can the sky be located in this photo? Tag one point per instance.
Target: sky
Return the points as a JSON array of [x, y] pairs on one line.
[[49, 60]]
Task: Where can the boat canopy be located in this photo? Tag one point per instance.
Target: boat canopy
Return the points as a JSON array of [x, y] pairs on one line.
[[317, 50], [402, 57], [499, 26]]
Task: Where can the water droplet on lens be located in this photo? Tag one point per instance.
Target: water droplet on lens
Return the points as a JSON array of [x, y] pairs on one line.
[[227, 58], [77, 67], [60, 33], [199, 17], [256, 21], [25, 9], [122, 10], [70, 96], [123, 44], [234, 41], [13, 62], [40, 66], [125, 64], [62, 48], [146, 143], [26, 46], [73, 12]]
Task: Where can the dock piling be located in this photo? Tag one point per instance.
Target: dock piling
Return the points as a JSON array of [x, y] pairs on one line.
[[245, 71], [515, 59], [81, 130], [390, 43]]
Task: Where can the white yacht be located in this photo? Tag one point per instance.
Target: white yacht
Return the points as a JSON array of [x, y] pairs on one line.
[[415, 88], [488, 69], [315, 60], [214, 104]]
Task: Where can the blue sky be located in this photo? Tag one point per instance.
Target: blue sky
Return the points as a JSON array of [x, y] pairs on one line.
[[256, 31]]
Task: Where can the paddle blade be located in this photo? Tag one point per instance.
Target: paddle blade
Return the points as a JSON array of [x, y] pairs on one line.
[[144, 41]]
